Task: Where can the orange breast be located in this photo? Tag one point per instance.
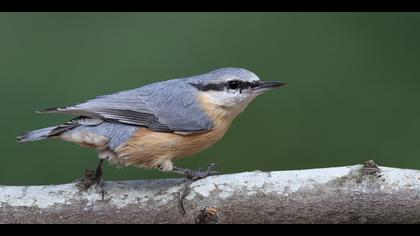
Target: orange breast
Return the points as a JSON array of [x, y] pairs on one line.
[[150, 149]]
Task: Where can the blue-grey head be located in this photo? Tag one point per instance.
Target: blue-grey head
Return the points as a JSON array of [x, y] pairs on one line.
[[232, 88]]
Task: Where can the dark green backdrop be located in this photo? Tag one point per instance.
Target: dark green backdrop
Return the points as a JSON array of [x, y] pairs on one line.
[[353, 85]]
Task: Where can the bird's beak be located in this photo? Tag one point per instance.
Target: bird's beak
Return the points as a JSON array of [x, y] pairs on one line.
[[268, 85]]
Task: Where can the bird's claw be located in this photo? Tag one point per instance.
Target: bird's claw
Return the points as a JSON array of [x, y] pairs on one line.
[[91, 179], [200, 174]]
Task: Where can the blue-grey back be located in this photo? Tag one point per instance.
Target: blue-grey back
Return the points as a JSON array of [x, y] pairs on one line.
[[169, 106]]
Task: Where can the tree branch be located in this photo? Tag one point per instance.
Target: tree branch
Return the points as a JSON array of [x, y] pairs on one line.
[[354, 194]]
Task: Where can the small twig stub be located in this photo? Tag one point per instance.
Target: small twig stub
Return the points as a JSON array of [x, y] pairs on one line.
[[370, 168]]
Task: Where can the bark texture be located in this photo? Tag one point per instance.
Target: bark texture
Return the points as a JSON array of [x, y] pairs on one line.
[[353, 194]]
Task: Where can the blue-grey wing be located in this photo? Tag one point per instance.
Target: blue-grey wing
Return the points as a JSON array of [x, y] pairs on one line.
[[169, 106]]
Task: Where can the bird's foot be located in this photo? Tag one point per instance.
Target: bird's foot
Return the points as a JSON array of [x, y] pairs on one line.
[[92, 179], [197, 174]]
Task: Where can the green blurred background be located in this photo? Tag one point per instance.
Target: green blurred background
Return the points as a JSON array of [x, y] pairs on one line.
[[353, 85]]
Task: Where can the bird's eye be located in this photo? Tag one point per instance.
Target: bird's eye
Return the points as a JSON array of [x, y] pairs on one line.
[[233, 84]]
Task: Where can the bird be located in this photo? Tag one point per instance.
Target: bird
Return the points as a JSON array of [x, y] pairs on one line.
[[154, 125]]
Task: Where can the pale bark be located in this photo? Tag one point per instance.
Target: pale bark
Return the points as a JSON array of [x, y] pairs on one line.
[[354, 194]]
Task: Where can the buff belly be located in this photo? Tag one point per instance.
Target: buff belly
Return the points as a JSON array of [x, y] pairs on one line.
[[150, 149], [144, 148], [138, 146]]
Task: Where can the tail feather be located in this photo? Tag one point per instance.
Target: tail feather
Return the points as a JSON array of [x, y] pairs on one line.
[[35, 135]]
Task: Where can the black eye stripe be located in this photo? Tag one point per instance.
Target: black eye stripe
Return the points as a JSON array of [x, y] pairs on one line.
[[233, 84], [245, 85], [209, 87]]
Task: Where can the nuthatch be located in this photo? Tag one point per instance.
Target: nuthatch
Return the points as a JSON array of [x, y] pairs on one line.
[[154, 125]]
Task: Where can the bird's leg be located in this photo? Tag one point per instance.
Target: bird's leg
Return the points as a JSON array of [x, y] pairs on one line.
[[92, 178], [99, 176], [191, 176]]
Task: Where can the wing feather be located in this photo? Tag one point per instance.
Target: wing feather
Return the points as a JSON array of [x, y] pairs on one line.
[[166, 106]]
